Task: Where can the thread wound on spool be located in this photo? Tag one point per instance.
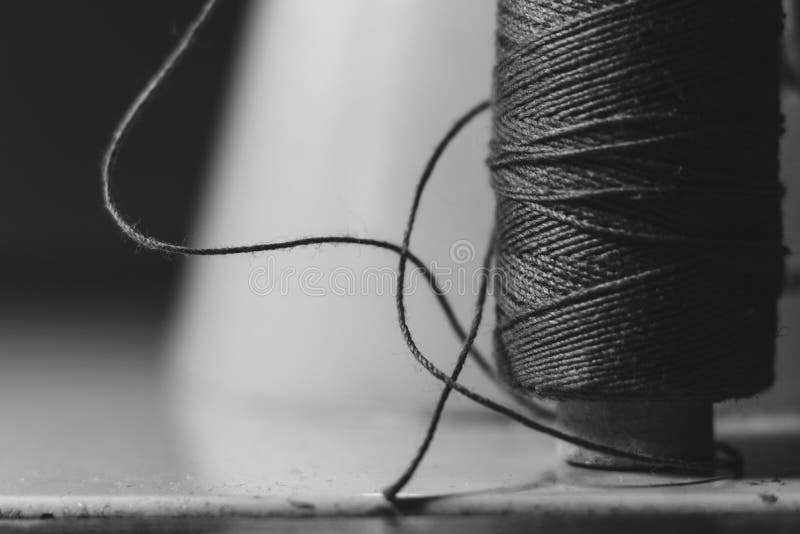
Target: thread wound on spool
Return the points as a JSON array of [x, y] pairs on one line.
[[635, 164], [602, 139]]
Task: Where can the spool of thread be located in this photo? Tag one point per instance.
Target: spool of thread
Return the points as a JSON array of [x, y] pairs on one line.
[[638, 235], [639, 253]]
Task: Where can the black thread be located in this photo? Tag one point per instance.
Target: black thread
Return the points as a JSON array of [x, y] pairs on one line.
[[516, 156], [635, 164]]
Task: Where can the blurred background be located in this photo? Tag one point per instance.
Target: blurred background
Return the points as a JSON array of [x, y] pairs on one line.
[[71, 68], [82, 312], [126, 371]]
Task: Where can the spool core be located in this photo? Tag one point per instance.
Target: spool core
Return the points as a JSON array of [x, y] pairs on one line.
[[676, 430]]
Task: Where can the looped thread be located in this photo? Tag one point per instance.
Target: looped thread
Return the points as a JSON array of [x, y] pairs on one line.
[[729, 459]]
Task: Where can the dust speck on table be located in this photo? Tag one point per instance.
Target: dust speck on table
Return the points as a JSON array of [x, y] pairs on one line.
[[769, 498]]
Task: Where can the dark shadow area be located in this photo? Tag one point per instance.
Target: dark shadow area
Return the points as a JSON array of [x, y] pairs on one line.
[[70, 70]]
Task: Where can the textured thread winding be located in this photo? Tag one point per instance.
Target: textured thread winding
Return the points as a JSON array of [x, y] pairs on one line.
[[577, 212], [635, 164]]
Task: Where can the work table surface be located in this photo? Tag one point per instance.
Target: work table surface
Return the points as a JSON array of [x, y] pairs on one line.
[[89, 433]]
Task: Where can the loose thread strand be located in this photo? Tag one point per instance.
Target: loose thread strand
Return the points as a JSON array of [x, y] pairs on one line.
[[727, 461]]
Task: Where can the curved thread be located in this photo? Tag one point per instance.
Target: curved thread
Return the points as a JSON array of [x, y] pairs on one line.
[[728, 460]]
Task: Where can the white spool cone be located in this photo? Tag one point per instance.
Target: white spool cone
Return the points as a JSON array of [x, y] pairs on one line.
[[337, 105]]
